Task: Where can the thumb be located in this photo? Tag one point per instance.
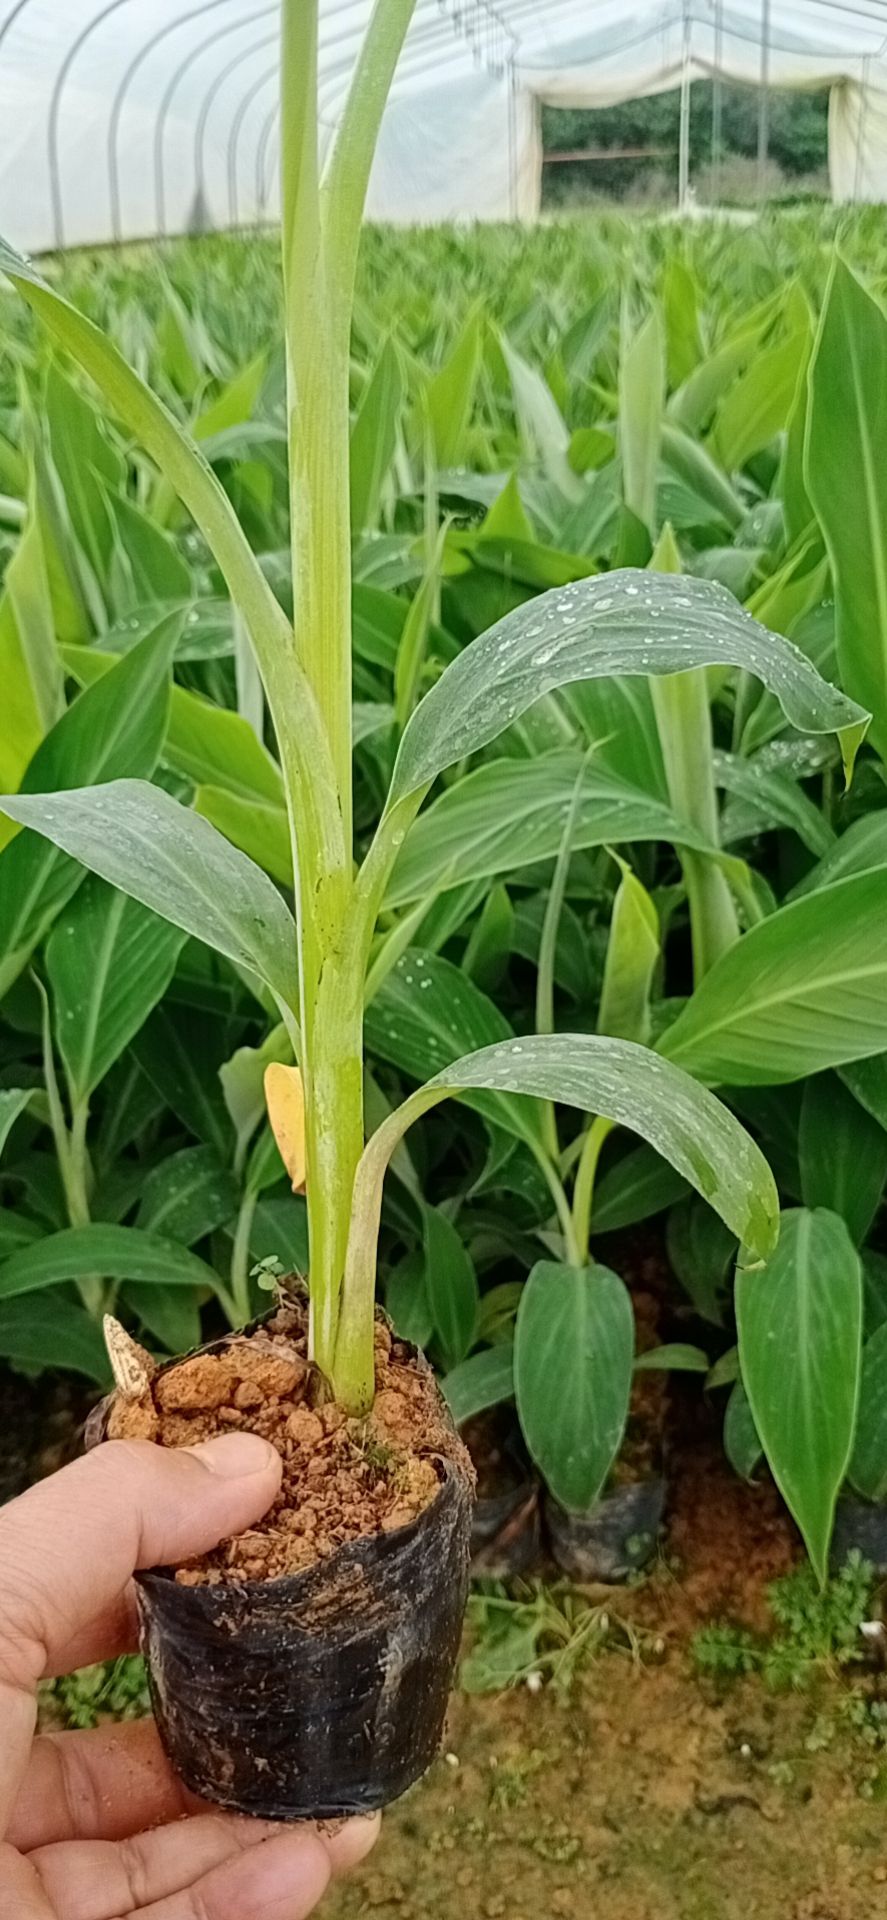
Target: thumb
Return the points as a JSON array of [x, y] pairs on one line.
[[69, 1546]]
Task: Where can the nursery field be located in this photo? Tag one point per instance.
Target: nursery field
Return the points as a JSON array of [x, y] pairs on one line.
[[639, 929]]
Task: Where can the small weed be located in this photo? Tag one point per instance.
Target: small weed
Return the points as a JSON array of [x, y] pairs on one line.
[[536, 1633], [113, 1690], [511, 1780], [819, 1630]]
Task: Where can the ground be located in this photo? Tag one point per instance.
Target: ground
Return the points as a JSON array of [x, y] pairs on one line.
[[649, 1793]]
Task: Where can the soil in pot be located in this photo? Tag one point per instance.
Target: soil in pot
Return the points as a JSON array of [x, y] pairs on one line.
[[302, 1668], [506, 1534]]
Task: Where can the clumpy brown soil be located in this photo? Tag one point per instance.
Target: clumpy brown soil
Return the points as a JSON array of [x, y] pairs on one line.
[[343, 1479]]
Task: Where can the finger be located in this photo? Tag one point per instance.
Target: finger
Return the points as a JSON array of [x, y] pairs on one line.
[[113, 1631], [69, 1546], [281, 1879], [98, 1880], [21, 1895], [102, 1785]]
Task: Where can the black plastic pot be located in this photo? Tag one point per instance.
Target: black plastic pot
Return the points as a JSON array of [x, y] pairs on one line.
[[860, 1527], [323, 1693], [615, 1539], [506, 1538]]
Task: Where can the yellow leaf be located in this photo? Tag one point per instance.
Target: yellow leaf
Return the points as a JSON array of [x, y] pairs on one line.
[[285, 1101]]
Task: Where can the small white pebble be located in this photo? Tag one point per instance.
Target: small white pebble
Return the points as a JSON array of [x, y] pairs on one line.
[[452, 1760], [534, 1683]]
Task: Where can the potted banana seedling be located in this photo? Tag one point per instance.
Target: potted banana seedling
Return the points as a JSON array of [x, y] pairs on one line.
[[303, 1669]]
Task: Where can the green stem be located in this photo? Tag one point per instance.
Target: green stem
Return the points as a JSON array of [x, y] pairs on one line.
[[586, 1173], [320, 227], [561, 1204], [240, 1299], [683, 718]]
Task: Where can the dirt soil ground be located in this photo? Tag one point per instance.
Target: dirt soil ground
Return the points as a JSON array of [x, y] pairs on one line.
[[650, 1794]]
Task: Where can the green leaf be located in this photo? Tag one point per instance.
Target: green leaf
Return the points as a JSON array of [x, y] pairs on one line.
[[280, 1227], [703, 1254], [510, 814], [868, 1463], [451, 1285], [170, 1314], [109, 961], [623, 623], [843, 1154], [862, 847], [756, 407], [188, 1195], [374, 437], [480, 1382], [13, 1101], [181, 1051], [542, 426], [159, 852], [800, 1328], [629, 1085], [804, 990], [847, 483], [742, 1442], [425, 1014], [632, 957], [573, 1358], [641, 400], [675, 1357], [54, 1333], [260, 831], [449, 396], [119, 1253], [30, 664], [639, 1185], [406, 1300], [114, 728]]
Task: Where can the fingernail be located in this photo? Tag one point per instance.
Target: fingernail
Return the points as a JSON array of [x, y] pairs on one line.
[[234, 1456]]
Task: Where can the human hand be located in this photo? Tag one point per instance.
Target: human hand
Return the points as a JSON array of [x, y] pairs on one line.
[[95, 1826]]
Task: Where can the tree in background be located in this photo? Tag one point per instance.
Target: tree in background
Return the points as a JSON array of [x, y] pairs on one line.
[[798, 139]]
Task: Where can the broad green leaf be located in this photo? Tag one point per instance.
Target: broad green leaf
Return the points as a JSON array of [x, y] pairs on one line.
[[145, 563], [632, 957], [119, 1253], [634, 1088], [702, 1252], [676, 1357], [53, 1332], [188, 1195], [641, 400], [170, 1314], [480, 1382], [573, 1358], [280, 1227], [511, 813], [426, 1013], [161, 853], [406, 1300], [181, 1051], [868, 1463], [13, 1101], [862, 847], [450, 1285], [800, 1330], [874, 1287], [203, 741], [639, 1185], [450, 393], [768, 798], [109, 961], [86, 463], [542, 426], [30, 664], [867, 1081], [756, 407], [260, 831], [626, 622], [847, 483], [114, 728], [843, 1154], [507, 518], [742, 1442], [806, 989], [374, 437]]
